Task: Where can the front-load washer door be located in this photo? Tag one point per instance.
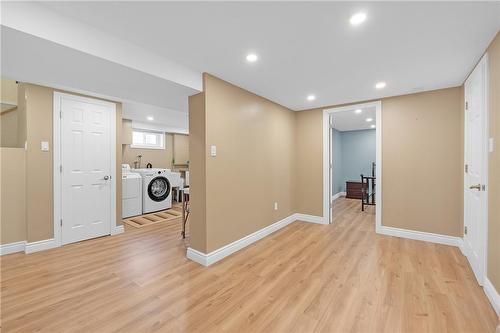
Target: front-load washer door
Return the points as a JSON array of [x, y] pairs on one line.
[[159, 189]]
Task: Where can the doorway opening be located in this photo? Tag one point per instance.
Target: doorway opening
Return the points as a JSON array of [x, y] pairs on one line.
[[352, 160]]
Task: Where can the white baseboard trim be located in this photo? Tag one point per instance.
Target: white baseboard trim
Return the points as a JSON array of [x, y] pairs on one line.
[[309, 218], [338, 195], [24, 246], [221, 253], [492, 294], [12, 247], [488, 287], [40, 245], [420, 235], [118, 229]]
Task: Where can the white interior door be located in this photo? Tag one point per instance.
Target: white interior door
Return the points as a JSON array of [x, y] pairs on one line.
[[86, 193], [476, 159]]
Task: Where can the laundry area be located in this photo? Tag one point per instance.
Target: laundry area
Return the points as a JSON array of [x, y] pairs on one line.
[[155, 173]]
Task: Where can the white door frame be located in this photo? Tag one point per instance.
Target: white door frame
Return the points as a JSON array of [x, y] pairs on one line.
[[326, 159], [483, 233], [57, 183]]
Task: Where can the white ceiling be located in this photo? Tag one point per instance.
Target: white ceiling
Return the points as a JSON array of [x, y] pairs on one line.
[[349, 120], [306, 47], [169, 120]]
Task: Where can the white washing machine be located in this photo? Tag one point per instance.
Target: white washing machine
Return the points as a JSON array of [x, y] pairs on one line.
[[131, 192], [156, 189]]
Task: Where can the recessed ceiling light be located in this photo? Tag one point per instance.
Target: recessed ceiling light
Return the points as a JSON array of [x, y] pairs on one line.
[[358, 111], [252, 57], [311, 97], [372, 126], [358, 18], [150, 118], [380, 85], [369, 119]]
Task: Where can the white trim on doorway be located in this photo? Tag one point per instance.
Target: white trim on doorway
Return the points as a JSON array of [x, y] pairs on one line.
[[326, 159], [58, 96]]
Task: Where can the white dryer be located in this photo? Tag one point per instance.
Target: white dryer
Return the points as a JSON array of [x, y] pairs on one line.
[[156, 189], [131, 192]]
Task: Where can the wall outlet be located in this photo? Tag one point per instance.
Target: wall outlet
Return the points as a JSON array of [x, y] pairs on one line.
[[275, 206], [44, 146]]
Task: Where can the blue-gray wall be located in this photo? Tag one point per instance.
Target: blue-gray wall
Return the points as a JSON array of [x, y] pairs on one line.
[[337, 161], [357, 152]]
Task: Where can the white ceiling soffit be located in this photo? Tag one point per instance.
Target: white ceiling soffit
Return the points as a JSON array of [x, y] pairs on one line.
[[165, 120], [37, 20], [350, 120], [305, 47], [31, 59]]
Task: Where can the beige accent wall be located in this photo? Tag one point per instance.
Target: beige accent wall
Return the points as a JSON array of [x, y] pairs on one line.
[[253, 168], [39, 165], [494, 165], [197, 190], [13, 195], [421, 158]]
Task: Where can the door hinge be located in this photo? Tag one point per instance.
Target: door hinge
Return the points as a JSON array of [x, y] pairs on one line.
[[465, 230], [466, 168], [466, 105], [60, 168], [61, 222], [60, 114]]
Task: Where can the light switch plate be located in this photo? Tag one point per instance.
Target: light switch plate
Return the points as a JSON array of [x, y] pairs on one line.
[[491, 145], [213, 150], [44, 146]]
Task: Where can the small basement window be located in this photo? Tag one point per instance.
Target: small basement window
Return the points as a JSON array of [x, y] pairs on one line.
[[148, 139]]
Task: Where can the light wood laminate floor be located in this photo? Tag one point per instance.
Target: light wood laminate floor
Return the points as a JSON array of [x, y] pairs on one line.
[[303, 278]]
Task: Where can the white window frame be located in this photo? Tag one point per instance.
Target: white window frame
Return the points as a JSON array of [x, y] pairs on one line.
[[145, 146]]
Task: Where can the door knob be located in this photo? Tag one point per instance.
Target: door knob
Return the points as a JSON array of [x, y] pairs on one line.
[[475, 187], [106, 177]]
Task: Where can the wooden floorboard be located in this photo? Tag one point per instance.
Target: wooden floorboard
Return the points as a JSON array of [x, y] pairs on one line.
[[303, 278]]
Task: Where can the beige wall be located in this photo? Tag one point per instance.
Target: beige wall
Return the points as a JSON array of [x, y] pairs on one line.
[[159, 158], [12, 119], [494, 165], [309, 168], [253, 167], [13, 195], [198, 153], [39, 166], [181, 149], [9, 128], [421, 158], [39, 192], [421, 162]]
